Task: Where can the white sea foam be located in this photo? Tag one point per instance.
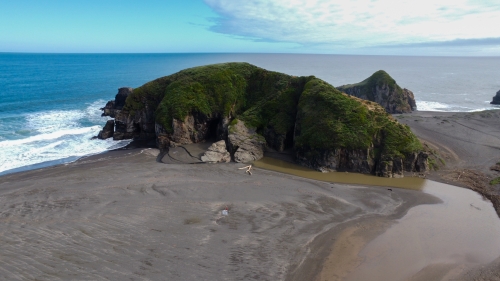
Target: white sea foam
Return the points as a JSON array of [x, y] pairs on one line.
[[54, 120], [59, 134], [431, 106], [438, 106]]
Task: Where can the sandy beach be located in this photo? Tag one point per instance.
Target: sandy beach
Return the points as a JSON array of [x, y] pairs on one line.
[[124, 216], [468, 143]]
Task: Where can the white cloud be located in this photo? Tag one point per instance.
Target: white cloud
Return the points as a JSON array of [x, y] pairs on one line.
[[357, 23]]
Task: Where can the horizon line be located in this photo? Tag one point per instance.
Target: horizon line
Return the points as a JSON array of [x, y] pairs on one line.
[[239, 53]]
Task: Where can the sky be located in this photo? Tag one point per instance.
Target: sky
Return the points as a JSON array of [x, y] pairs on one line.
[[366, 27]]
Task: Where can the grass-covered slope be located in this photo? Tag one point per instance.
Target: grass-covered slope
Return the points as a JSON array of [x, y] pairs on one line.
[[317, 114], [229, 89], [381, 88], [377, 79], [329, 119]]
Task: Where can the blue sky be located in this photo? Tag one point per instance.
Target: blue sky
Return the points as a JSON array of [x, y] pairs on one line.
[[439, 27]]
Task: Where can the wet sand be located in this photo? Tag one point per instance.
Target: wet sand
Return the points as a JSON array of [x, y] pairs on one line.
[[453, 240], [468, 143], [124, 216]]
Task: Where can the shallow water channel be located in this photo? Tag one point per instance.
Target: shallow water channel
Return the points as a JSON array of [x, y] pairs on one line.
[[437, 241]]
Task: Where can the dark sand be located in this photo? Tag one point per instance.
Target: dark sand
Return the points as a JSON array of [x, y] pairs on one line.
[[124, 216], [469, 143]]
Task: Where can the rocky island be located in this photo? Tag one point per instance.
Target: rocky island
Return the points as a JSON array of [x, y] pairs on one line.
[[496, 98], [251, 108]]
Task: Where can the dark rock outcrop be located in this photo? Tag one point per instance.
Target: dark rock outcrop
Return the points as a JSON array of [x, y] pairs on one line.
[[113, 106], [382, 89], [362, 161], [140, 125], [107, 131], [496, 98], [217, 153]]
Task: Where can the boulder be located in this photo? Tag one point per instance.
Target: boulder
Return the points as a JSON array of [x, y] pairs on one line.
[[244, 143], [216, 153], [496, 99], [107, 131]]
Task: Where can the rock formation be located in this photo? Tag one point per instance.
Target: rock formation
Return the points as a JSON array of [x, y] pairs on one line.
[[496, 98], [217, 153], [112, 106], [107, 131], [382, 89], [244, 143], [252, 108]]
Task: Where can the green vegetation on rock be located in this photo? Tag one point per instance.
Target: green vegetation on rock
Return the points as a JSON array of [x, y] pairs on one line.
[[329, 119], [382, 88], [377, 79], [319, 115]]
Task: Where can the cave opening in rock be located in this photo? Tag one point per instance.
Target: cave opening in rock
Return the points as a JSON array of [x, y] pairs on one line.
[[289, 140], [214, 132], [137, 131]]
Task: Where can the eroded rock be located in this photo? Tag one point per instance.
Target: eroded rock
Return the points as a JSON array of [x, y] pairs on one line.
[[217, 153], [107, 131], [112, 107], [245, 143]]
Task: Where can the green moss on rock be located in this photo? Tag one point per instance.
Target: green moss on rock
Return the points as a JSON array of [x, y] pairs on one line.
[[315, 112], [329, 119]]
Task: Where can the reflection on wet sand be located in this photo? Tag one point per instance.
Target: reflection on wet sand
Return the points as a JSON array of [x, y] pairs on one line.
[[431, 242], [434, 242]]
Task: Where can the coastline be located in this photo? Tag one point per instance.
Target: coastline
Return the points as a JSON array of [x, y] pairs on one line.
[[468, 144], [131, 214], [125, 214], [307, 236]]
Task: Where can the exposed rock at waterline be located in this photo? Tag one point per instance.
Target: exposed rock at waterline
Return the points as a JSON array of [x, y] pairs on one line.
[[107, 131], [496, 98]]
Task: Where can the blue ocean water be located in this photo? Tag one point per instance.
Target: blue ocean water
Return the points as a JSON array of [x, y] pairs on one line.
[[49, 103]]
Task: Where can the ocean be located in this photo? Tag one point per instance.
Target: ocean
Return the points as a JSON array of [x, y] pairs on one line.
[[50, 103]]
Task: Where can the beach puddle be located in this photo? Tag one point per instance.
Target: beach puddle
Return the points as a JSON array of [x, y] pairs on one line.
[[431, 242], [272, 164], [435, 241]]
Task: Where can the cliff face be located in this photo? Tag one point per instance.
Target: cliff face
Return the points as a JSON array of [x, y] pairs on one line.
[[382, 89], [496, 98], [250, 108]]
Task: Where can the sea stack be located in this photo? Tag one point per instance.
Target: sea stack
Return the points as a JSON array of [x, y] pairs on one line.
[[382, 89], [496, 99]]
